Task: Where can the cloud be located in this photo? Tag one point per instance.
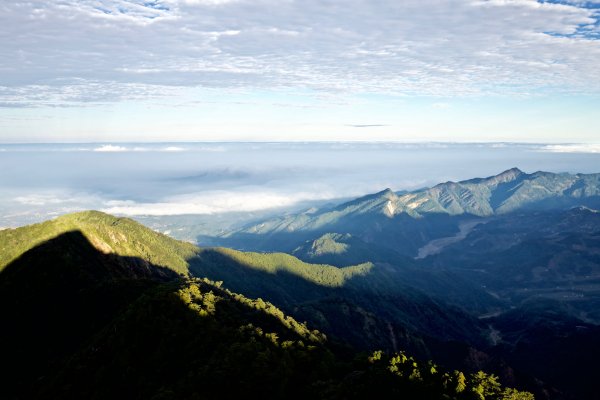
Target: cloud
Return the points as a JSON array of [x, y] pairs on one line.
[[367, 125], [216, 202], [40, 200], [113, 148], [572, 148], [95, 51], [140, 148], [110, 148]]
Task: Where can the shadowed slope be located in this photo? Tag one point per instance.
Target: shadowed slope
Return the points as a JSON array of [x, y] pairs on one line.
[[108, 234], [377, 291], [79, 323], [55, 296]]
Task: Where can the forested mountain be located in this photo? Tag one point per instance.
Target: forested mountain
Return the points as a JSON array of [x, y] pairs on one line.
[[87, 313], [500, 273], [510, 244]]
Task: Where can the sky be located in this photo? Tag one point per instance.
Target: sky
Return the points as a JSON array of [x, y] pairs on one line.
[[286, 70]]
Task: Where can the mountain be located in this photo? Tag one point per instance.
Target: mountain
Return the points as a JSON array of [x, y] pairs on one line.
[[82, 323], [344, 249], [82, 320], [281, 278], [489, 248], [509, 191], [107, 233], [405, 222], [375, 290], [544, 329], [550, 255]]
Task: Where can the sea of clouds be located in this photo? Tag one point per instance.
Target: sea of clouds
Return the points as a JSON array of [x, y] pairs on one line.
[[40, 181]]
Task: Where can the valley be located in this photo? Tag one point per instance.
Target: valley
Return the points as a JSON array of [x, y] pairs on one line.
[[437, 245]]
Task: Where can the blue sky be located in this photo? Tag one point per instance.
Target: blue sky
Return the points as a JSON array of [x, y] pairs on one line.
[[210, 70]]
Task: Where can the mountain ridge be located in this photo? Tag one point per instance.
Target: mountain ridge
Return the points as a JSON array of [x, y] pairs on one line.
[[407, 221], [473, 196], [85, 322]]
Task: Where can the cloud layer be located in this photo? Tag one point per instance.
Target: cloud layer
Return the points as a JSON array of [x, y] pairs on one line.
[[51, 179], [572, 148], [79, 52]]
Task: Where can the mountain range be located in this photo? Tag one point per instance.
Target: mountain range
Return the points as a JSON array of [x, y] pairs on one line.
[[87, 313], [498, 274], [398, 221], [491, 247]]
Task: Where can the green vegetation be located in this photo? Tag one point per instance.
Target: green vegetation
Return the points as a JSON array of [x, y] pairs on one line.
[[125, 237], [402, 375], [272, 263], [92, 303], [329, 244], [108, 234], [83, 324]]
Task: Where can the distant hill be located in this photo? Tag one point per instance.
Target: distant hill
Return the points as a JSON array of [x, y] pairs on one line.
[[506, 192], [82, 320], [404, 222]]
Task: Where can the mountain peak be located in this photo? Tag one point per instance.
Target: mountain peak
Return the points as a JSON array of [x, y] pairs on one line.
[[506, 176], [387, 193], [510, 173]]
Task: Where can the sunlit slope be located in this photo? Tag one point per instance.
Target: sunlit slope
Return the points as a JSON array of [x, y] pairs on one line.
[[72, 331], [125, 237], [107, 233], [278, 277], [275, 263]]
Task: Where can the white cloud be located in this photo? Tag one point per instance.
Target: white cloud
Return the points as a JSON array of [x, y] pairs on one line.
[[77, 52], [215, 202], [572, 148], [110, 148], [40, 200], [117, 149]]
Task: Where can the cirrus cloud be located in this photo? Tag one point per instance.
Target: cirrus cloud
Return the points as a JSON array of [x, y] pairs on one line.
[[76, 52]]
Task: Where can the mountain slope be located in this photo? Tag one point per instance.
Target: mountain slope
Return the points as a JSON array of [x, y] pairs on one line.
[[280, 278], [553, 255], [290, 283], [108, 234], [404, 222], [57, 295], [80, 323]]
